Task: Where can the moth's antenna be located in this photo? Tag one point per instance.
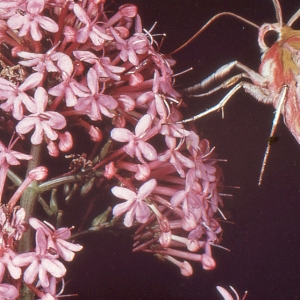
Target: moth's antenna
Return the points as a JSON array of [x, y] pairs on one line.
[[209, 22], [278, 12]]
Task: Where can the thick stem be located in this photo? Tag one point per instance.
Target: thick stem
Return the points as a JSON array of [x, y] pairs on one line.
[[29, 199], [28, 202]]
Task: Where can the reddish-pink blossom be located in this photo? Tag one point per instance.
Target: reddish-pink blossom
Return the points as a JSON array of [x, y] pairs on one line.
[[56, 239], [41, 262], [135, 205], [7, 155], [16, 95], [41, 62], [31, 20], [174, 156], [6, 257], [96, 103], [96, 33], [44, 122], [69, 87], [138, 44], [8, 292], [136, 146], [102, 65]]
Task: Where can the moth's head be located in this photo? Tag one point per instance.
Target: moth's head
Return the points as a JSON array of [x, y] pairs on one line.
[[268, 34]]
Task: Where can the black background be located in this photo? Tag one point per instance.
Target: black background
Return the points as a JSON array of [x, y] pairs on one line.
[[265, 239]]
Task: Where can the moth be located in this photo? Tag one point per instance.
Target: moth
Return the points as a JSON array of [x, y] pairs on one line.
[[277, 81]]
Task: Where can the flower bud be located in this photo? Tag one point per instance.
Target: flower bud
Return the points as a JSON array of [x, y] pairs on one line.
[[135, 79], [102, 218], [87, 187], [38, 173], [126, 103], [143, 172], [208, 262], [122, 31], [110, 170], [65, 141], [165, 239], [128, 10], [186, 269], [119, 121], [70, 34], [52, 149], [95, 134]]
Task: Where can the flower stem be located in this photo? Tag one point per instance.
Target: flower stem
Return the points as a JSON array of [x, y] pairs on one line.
[[28, 202]]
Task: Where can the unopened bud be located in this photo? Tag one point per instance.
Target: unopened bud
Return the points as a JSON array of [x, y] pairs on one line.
[[135, 79], [38, 173], [102, 218], [87, 187], [110, 170], [208, 262], [95, 134], [128, 10], [186, 269], [122, 31], [53, 149], [143, 172], [65, 141]]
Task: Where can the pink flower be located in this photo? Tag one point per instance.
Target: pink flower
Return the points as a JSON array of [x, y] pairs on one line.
[[96, 33], [43, 122], [16, 95], [6, 257], [18, 225], [8, 292], [189, 198], [31, 20], [41, 262], [56, 239], [135, 205], [41, 62], [138, 44], [69, 87], [8, 8], [136, 146], [9, 157], [102, 65], [96, 103], [178, 160]]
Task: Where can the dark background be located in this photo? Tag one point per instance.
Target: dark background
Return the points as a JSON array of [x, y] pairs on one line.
[[265, 239]]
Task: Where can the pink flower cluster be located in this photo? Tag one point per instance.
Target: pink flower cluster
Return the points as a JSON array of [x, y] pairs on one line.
[[43, 262], [70, 64]]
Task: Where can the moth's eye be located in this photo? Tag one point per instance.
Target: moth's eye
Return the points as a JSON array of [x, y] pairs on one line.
[[270, 38]]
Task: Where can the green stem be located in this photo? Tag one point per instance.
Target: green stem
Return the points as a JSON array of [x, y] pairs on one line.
[[53, 183], [28, 202]]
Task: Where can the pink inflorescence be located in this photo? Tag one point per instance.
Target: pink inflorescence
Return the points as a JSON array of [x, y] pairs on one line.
[[69, 65]]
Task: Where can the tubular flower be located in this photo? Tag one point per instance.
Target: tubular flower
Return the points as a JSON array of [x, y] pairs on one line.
[[31, 20], [136, 146], [41, 262], [44, 122], [135, 205], [96, 103], [56, 239]]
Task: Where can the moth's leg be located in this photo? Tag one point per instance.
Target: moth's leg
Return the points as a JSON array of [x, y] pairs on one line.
[[281, 98], [255, 77], [260, 94], [224, 85]]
